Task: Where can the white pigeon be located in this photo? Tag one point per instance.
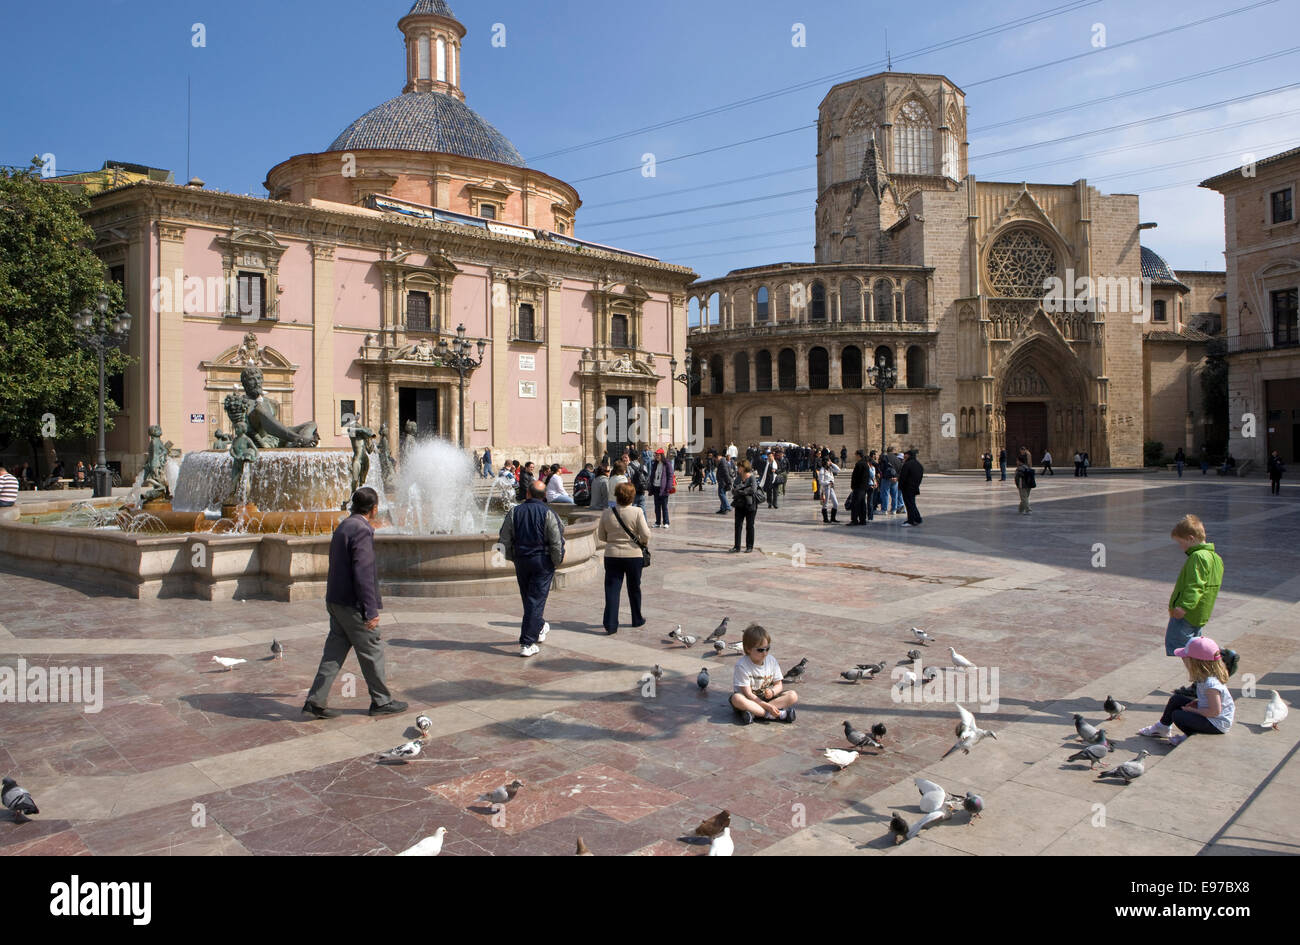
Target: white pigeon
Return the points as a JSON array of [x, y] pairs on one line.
[[1277, 710], [909, 679], [839, 757], [722, 844], [932, 795], [958, 660], [230, 662], [968, 733], [686, 639], [738, 646], [941, 814], [402, 752], [922, 637], [429, 846], [424, 724], [929, 674]]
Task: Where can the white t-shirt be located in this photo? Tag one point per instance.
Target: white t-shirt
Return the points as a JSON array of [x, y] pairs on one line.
[[555, 486], [756, 677], [1222, 721]]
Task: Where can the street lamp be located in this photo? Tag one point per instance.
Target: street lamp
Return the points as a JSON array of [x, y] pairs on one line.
[[456, 356], [99, 331], [882, 377], [694, 369]]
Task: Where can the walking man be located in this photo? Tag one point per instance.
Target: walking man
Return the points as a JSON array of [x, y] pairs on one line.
[[767, 478], [1002, 463], [858, 490], [1047, 463], [988, 466], [725, 474], [909, 484], [533, 539], [353, 602]]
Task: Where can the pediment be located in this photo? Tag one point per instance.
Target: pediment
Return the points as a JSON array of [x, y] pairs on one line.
[[1022, 207]]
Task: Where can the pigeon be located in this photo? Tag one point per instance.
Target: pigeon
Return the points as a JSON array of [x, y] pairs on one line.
[[429, 846], [958, 660], [702, 680], [18, 800], [913, 655], [1086, 732], [1092, 754], [582, 849], [738, 646], [719, 632], [500, 797], [968, 733], [972, 803], [853, 675], [929, 674], [1128, 770], [909, 679], [898, 827], [683, 638], [922, 637], [719, 647], [839, 757], [277, 650], [402, 752], [933, 796], [230, 662], [872, 668], [942, 813], [714, 825], [859, 740], [424, 724], [722, 844], [795, 671], [657, 672], [1277, 710], [878, 730], [1116, 709]]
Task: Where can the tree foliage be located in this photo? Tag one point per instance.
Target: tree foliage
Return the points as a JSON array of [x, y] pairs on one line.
[[48, 274]]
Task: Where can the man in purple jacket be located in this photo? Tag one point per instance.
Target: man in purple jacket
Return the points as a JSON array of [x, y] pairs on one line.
[[661, 484], [353, 601]]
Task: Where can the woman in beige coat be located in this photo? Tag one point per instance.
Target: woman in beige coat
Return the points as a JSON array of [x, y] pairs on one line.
[[623, 554]]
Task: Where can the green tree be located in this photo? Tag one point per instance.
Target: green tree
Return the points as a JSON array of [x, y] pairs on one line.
[[47, 275], [1214, 400]]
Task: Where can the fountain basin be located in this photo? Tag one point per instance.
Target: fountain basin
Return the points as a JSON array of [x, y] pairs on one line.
[[282, 480]]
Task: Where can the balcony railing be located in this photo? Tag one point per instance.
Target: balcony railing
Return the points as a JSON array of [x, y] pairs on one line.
[[1262, 341], [833, 328]]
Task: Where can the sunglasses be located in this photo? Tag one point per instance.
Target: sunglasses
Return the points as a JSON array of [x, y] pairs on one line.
[[761, 649]]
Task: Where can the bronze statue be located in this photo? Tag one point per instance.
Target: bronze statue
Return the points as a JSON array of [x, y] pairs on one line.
[[153, 482], [412, 430], [259, 412], [221, 440], [361, 437], [386, 464], [243, 452]]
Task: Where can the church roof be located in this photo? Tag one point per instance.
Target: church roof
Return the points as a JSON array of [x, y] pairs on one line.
[[428, 121], [1157, 270], [431, 7]]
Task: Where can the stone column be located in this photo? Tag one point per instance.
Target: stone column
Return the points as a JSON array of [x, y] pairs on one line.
[[835, 351], [900, 363], [677, 393], [753, 370], [801, 366], [170, 410], [728, 374], [322, 343]]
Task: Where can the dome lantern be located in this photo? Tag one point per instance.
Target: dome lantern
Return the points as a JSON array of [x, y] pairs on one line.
[[433, 37]]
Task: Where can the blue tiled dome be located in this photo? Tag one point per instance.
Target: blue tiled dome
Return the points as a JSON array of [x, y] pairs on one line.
[[1157, 270], [435, 7], [428, 121]]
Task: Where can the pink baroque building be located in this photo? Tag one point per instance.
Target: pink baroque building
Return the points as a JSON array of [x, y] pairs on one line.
[[420, 217]]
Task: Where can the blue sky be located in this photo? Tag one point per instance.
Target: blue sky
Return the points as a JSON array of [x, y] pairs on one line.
[[282, 78]]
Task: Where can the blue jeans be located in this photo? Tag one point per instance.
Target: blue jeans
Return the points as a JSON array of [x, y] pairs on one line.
[[722, 497], [893, 499], [487, 470], [534, 575], [1178, 634]]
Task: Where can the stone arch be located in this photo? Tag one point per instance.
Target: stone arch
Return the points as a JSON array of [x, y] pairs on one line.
[[819, 368], [817, 302], [693, 311], [915, 308], [785, 369], [741, 312], [882, 300], [782, 310], [916, 357], [716, 376], [850, 300], [1043, 400], [762, 305], [763, 370], [715, 309], [888, 353], [745, 424], [740, 367], [851, 368], [913, 132]]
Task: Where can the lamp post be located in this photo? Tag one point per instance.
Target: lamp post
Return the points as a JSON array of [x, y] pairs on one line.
[[456, 356], [883, 377], [99, 331], [694, 370]]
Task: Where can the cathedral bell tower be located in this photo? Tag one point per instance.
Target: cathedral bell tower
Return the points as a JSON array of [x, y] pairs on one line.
[[433, 37]]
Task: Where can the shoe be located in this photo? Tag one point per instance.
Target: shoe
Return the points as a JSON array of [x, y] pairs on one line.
[[655, 525], [789, 715], [720, 512], [906, 525], [666, 525], [748, 550], [311, 708], [388, 708], [733, 551], [1154, 730], [611, 632], [541, 634], [638, 625], [531, 650], [746, 717], [1176, 740]]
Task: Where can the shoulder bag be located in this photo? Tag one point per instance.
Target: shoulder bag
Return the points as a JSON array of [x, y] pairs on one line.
[[645, 552]]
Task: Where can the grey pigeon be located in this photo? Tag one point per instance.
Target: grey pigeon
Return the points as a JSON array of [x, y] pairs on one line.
[[424, 724], [657, 672], [913, 655], [499, 797], [942, 813], [859, 740], [878, 730], [720, 632], [719, 647], [702, 680], [1129, 770], [402, 752], [928, 674], [794, 672], [277, 649], [1092, 754], [18, 800], [898, 827], [968, 733], [972, 804], [872, 668], [1116, 709], [1087, 732], [853, 675]]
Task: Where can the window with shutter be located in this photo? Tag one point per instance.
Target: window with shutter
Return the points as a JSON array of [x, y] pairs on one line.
[[252, 295], [417, 312]]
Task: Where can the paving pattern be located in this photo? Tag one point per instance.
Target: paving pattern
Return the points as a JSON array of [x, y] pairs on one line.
[[185, 758]]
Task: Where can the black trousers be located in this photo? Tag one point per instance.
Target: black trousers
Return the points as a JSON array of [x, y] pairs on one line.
[[616, 569], [1277, 487], [1191, 723], [534, 575], [770, 490], [748, 519], [856, 505], [909, 501]]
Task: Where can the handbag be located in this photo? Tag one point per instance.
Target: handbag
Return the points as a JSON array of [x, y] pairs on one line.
[[645, 552]]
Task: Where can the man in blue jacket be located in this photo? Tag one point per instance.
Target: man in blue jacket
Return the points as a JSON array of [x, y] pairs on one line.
[[353, 601], [533, 538]]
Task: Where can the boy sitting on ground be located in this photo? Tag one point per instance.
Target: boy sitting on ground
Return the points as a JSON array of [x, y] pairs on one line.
[[759, 692]]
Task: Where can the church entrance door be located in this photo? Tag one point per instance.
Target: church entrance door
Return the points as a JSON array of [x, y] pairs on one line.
[[1027, 428]]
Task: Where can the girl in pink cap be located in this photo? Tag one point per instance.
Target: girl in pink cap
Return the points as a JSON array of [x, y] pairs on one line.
[[1210, 710]]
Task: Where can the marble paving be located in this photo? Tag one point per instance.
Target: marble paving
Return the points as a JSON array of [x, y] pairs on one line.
[[1067, 604]]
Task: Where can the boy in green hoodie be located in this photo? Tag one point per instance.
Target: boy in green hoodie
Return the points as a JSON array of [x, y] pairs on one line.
[[1192, 601]]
